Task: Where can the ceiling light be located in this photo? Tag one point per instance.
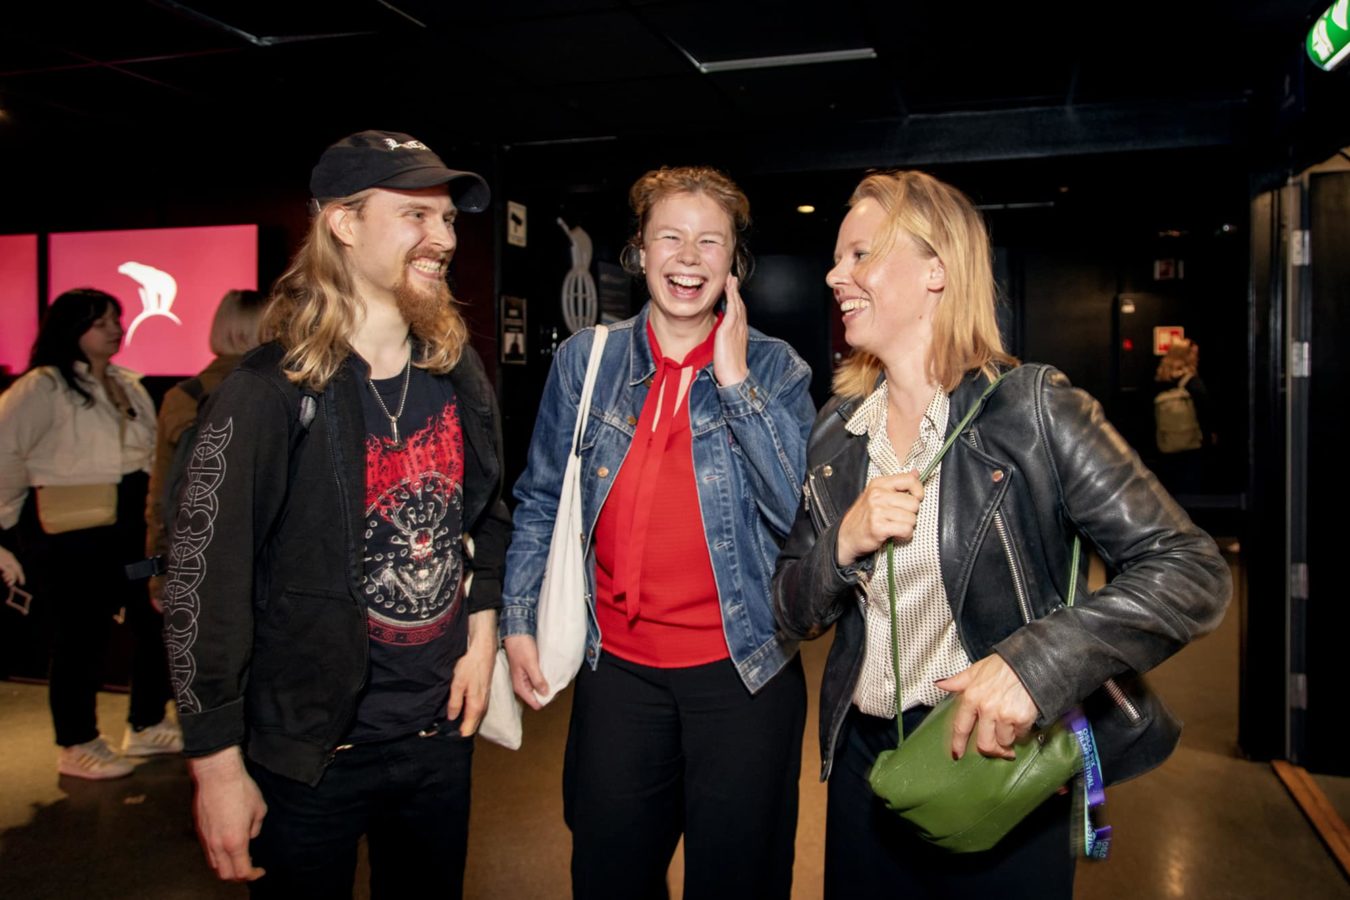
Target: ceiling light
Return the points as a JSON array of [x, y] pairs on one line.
[[806, 209], [776, 62]]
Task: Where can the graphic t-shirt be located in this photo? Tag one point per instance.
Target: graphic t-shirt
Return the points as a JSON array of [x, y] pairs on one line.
[[414, 511]]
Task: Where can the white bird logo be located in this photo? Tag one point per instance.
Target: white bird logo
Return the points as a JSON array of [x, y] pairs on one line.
[[158, 289]]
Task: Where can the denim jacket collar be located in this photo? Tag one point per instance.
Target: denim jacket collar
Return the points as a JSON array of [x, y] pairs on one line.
[[641, 363]]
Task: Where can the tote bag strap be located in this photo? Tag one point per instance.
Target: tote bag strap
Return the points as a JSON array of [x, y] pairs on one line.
[[588, 386]]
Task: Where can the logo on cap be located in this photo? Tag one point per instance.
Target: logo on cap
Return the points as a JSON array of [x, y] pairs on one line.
[[406, 145]]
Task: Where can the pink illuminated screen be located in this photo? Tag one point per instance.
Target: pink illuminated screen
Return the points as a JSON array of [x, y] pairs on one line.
[[169, 281], [18, 299]]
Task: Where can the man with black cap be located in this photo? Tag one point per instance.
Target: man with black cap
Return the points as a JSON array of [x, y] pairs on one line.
[[331, 607]]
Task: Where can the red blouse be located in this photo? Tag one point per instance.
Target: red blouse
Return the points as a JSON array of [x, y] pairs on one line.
[[656, 597]]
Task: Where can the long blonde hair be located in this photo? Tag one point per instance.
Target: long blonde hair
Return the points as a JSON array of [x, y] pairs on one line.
[[314, 310], [943, 223]]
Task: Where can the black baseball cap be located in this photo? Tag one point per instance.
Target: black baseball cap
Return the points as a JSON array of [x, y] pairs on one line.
[[390, 159]]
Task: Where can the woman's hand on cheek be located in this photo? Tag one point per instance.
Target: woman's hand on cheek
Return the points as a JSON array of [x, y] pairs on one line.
[[733, 338]]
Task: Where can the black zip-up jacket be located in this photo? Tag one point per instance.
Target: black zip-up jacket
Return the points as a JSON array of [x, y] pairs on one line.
[[265, 622], [1038, 464]]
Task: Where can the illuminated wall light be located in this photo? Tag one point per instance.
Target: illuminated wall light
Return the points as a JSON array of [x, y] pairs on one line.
[[806, 209]]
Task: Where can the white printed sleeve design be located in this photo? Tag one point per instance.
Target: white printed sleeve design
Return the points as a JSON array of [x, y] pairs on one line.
[[193, 528]]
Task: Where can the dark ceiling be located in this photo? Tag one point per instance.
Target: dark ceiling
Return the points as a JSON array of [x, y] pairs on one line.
[[272, 82]]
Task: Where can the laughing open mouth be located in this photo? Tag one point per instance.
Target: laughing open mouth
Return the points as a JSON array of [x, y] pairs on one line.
[[853, 305], [685, 286]]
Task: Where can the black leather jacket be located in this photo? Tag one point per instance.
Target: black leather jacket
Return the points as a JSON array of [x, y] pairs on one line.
[[1038, 463]]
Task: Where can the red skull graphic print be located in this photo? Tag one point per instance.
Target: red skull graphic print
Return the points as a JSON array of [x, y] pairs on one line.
[[414, 511]]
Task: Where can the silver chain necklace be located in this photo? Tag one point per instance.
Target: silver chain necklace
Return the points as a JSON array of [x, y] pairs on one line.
[[402, 400]]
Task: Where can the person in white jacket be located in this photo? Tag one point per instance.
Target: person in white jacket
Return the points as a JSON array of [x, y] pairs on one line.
[[76, 438]]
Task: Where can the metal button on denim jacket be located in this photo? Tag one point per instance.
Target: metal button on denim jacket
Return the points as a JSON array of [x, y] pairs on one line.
[[749, 446]]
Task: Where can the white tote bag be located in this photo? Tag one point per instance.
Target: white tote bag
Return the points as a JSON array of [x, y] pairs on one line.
[[561, 617], [501, 722]]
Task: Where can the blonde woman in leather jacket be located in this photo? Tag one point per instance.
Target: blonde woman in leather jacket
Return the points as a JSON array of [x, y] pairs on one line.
[[982, 551]]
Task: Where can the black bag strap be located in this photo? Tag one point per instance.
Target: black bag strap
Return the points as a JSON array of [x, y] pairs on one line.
[[194, 387], [307, 409]]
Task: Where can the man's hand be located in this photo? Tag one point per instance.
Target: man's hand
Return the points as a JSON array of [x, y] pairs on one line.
[[994, 701], [523, 654], [473, 673], [230, 810]]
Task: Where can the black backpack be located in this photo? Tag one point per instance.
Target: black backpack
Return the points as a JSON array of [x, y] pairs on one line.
[[175, 479]]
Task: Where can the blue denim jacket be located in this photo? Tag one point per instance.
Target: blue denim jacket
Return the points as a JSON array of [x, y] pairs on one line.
[[749, 445]]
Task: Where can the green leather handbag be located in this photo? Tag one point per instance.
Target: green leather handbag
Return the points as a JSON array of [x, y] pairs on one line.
[[967, 805]]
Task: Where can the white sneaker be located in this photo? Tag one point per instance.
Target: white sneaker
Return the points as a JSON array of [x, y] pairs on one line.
[[94, 760], [166, 737]]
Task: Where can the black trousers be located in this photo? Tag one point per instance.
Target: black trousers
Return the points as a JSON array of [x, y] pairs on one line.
[[869, 851], [653, 753], [409, 797], [80, 575]]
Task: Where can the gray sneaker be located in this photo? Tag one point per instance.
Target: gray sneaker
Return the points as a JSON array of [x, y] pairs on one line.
[[94, 760], [166, 737]]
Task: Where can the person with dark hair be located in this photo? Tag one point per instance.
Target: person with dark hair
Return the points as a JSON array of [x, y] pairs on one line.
[[234, 332], [691, 720], [948, 489], [76, 437], [335, 568]]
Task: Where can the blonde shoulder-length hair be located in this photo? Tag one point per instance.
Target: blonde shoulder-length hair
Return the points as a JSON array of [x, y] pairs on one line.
[[943, 223], [314, 311], [235, 326]]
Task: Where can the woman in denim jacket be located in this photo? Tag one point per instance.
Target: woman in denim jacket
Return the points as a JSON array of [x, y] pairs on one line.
[[692, 458]]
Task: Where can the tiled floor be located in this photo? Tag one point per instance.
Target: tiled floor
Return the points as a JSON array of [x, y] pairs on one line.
[[1206, 825]]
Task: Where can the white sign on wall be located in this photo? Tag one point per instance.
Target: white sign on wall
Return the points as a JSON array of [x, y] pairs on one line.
[[1164, 335], [515, 223]]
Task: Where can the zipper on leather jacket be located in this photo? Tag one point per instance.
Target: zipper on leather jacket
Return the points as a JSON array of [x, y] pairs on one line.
[[1117, 694], [1113, 690], [816, 502], [1023, 603]]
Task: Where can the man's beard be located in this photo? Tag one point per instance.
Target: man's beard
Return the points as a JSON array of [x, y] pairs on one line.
[[423, 309]]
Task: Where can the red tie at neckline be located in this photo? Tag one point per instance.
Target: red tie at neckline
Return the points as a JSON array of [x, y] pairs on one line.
[[648, 452]]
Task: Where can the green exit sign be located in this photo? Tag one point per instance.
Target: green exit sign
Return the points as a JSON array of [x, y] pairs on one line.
[[1329, 39]]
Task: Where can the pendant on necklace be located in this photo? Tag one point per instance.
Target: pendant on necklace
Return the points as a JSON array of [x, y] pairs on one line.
[[393, 443]]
